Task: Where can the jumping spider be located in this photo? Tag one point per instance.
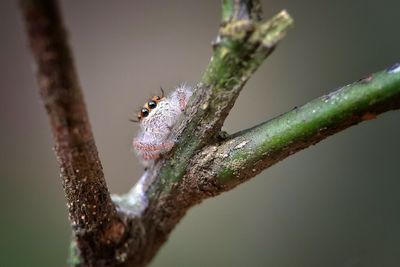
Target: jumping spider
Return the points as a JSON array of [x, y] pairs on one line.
[[156, 118]]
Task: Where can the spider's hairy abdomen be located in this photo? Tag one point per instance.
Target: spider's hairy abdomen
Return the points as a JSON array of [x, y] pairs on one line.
[[155, 128]]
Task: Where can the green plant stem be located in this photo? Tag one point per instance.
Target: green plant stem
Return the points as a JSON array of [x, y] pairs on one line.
[[242, 47], [242, 9], [247, 153]]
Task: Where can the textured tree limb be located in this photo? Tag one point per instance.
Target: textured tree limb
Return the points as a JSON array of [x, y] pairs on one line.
[[244, 9], [240, 48], [92, 213], [202, 164], [245, 154]]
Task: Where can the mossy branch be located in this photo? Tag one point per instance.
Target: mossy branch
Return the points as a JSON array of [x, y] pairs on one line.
[[241, 47], [245, 154]]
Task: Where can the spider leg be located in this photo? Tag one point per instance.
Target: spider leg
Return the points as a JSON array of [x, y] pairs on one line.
[[151, 156], [182, 99], [147, 147]]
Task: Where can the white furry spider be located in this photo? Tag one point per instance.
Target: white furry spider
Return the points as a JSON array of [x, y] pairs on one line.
[[157, 117]]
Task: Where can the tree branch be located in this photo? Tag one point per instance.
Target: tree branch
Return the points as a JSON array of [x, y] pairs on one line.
[[157, 202], [247, 153], [240, 49], [92, 213], [237, 10]]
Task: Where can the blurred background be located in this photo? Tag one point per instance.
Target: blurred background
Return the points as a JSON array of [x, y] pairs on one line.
[[334, 204]]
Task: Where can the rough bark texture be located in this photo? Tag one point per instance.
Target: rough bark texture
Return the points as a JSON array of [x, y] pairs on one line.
[[93, 215], [204, 162]]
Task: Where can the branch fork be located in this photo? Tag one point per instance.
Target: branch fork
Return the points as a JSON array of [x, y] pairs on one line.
[[128, 230]]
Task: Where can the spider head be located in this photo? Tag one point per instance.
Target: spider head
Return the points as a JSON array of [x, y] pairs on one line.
[[149, 106]]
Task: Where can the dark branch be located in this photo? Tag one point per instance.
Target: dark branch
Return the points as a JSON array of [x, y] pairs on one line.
[[93, 215]]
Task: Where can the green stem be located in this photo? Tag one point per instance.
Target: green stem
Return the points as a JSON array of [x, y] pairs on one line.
[[241, 9], [242, 47], [247, 153]]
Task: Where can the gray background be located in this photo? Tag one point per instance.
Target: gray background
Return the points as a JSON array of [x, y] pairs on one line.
[[335, 204]]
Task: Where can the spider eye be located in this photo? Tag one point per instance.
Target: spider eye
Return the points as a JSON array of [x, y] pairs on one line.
[[144, 112], [152, 104]]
